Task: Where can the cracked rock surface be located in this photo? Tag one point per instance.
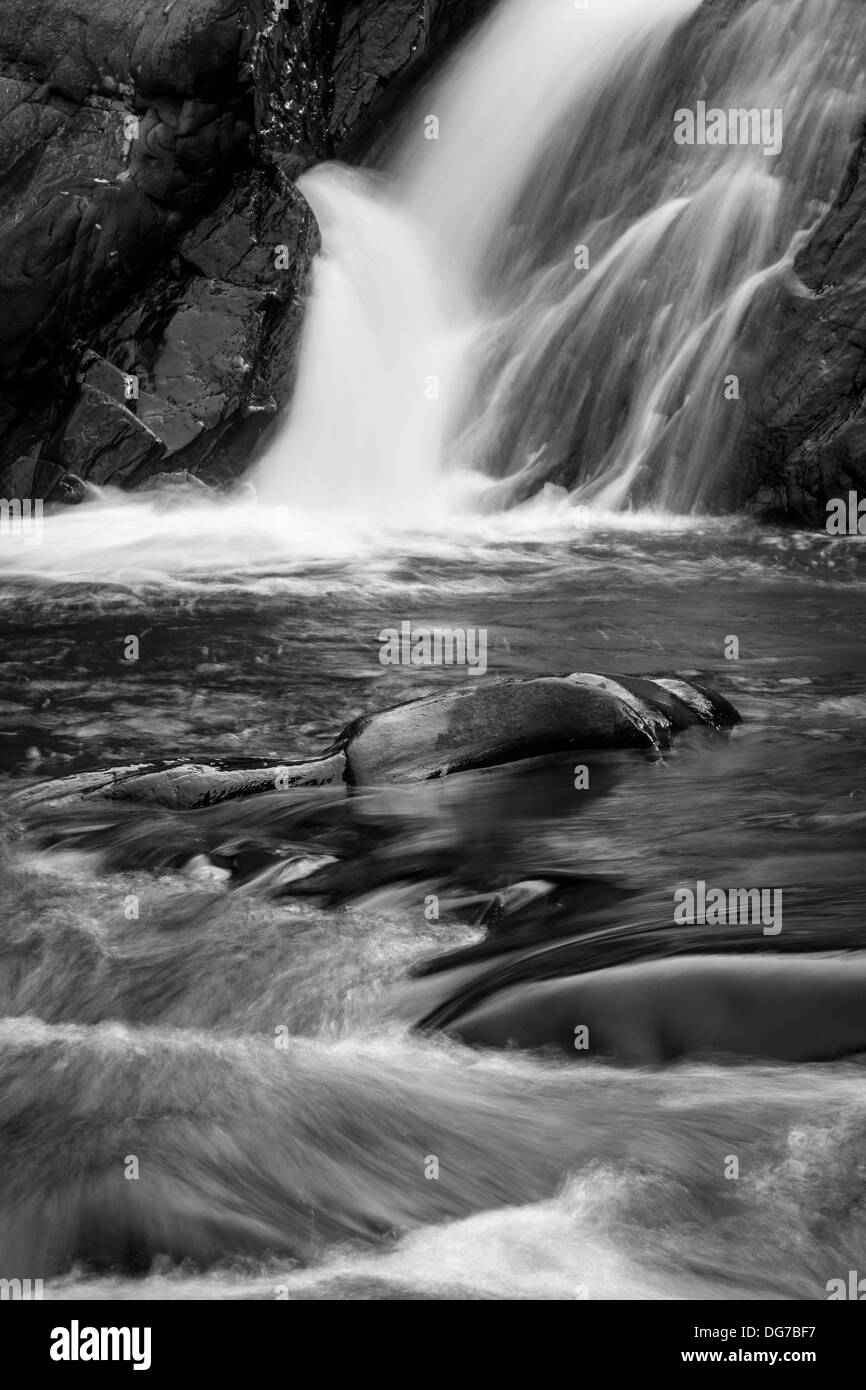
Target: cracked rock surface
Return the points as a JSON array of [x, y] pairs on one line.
[[808, 436]]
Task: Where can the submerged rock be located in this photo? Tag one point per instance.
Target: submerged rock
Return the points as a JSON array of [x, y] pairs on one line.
[[474, 726]]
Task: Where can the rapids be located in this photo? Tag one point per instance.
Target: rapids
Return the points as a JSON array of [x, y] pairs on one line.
[[301, 1169]]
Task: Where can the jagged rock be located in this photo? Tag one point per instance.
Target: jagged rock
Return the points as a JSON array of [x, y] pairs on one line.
[[238, 242], [104, 376], [176, 428], [382, 52], [374, 44], [122, 45], [19, 479], [103, 442], [54, 484], [118, 123], [207, 349], [288, 50], [171, 426], [119, 120], [808, 429], [217, 354]]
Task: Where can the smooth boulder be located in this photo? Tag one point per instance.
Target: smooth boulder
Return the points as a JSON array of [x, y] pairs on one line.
[[473, 726]]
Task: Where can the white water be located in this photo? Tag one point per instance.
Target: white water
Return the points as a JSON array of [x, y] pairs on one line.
[[454, 361], [377, 327], [123, 538], [390, 332], [448, 325]]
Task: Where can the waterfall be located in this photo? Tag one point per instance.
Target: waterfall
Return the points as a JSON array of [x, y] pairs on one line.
[[363, 436], [542, 284]]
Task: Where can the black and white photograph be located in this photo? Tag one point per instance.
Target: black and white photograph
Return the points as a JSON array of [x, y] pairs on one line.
[[432, 665]]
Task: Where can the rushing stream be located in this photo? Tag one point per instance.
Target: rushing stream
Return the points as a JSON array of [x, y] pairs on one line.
[[249, 1045], [553, 1177]]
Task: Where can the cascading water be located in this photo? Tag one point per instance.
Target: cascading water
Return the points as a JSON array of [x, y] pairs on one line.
[[553, 289], [374, 328]]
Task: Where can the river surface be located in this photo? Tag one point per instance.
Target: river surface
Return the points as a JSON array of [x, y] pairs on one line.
[[255, 1053]]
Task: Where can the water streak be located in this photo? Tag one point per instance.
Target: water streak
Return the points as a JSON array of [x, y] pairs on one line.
[[455, 321]]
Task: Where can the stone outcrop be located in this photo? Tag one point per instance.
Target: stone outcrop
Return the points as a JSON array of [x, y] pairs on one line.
[[481, 724], [383, 53], [122, 122], [213, 345], [807, 439]]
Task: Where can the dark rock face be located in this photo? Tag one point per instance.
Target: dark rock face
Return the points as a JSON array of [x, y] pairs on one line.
[[383, 53], [288, 49], [147, 154], [808, 436], [214, 343], [119, 119], [103, 441], [375, 43]]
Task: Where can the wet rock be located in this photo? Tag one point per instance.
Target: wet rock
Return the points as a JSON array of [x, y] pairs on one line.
[[171, 426], [183, 480], [174, 427], [288, 50], [479, 725], [375, 43], [808, 430], [245, 857], [55, 485], [19, 478], [103, 376], [383, 52], [207, 350], [103, 442], [216, 351], [119, 124], [136, 114]]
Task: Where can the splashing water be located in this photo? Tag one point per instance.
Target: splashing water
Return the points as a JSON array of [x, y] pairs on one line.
[[455, 320]]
